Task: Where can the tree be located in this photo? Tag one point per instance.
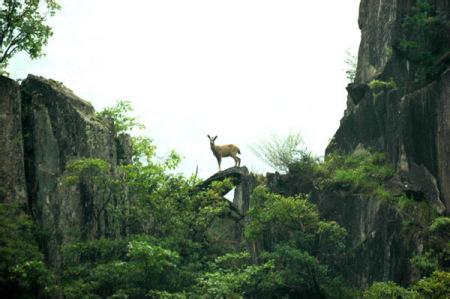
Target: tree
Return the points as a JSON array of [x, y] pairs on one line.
[[291, 253], [119, 113], [23, 27], [351, 61], [280, 153], [23, 273]]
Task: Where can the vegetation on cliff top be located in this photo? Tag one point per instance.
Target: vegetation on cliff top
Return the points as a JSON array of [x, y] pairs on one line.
[[159, 244]]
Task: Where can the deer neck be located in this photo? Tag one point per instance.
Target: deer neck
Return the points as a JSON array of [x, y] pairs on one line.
[[214, 148]]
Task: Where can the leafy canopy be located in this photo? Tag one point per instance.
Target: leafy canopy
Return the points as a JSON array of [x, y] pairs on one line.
[[119, 113], [23, 273], [23, 27]]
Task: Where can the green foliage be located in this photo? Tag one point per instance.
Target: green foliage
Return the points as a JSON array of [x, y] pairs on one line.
[[351, 61], [388, 290], [143, 150], [424, 32], [425, 263], [416, 214], [280, 153], [129, 267], [441, 227], [93, 176], [166, 260], [22, 270], [439, 233], [363, 171], [276, 213], [234, 275], [93, 169], [380, 87], [293, 220], [304, 250], [305, 171], [123, 123], [435, 286], [23, 27]]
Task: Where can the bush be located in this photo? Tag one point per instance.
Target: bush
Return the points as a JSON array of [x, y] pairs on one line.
[[280, 153], [435, 286], [388, 290], [363, 171], [23, 273]]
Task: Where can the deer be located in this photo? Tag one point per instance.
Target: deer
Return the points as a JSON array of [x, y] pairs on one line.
[[222, 151]]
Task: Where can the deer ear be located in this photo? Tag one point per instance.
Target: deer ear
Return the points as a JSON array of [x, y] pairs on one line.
[[208, 136], [215, 138]]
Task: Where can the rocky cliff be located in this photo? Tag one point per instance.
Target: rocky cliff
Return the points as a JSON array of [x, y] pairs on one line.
[[408, 120], [44, 126], [398, 104]]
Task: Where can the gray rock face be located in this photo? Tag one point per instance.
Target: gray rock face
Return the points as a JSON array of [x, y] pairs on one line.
[[57, 128], [377, 21], [378, 248], [124, 149], [442, 171], [381, 32], [12, 172]]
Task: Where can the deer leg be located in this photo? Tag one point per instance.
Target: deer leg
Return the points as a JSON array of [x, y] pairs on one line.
[[235, 160], [219, 159], [238, 161]]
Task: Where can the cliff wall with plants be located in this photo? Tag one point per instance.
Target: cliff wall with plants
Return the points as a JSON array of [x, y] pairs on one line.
[[399, 101], [385, 177], [47, 127]]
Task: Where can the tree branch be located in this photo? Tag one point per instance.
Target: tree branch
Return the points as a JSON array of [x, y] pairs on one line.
[[8, 22], [8, 51]]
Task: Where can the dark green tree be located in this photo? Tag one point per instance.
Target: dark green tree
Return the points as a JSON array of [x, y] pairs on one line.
[[23, 27], [23, 273]]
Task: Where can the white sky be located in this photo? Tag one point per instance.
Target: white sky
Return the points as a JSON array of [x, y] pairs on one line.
[[237, 69]]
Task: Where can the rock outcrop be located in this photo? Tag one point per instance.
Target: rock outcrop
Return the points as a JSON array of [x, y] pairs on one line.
[[243, 184], [228, 229], [45, 126]]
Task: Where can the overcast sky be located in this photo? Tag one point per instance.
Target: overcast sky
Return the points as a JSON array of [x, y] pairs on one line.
[[241, 70]]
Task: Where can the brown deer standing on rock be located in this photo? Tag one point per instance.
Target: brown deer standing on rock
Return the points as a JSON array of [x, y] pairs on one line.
[[222, 151]]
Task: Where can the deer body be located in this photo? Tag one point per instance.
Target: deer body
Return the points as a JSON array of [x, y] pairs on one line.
[[223, 151]]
